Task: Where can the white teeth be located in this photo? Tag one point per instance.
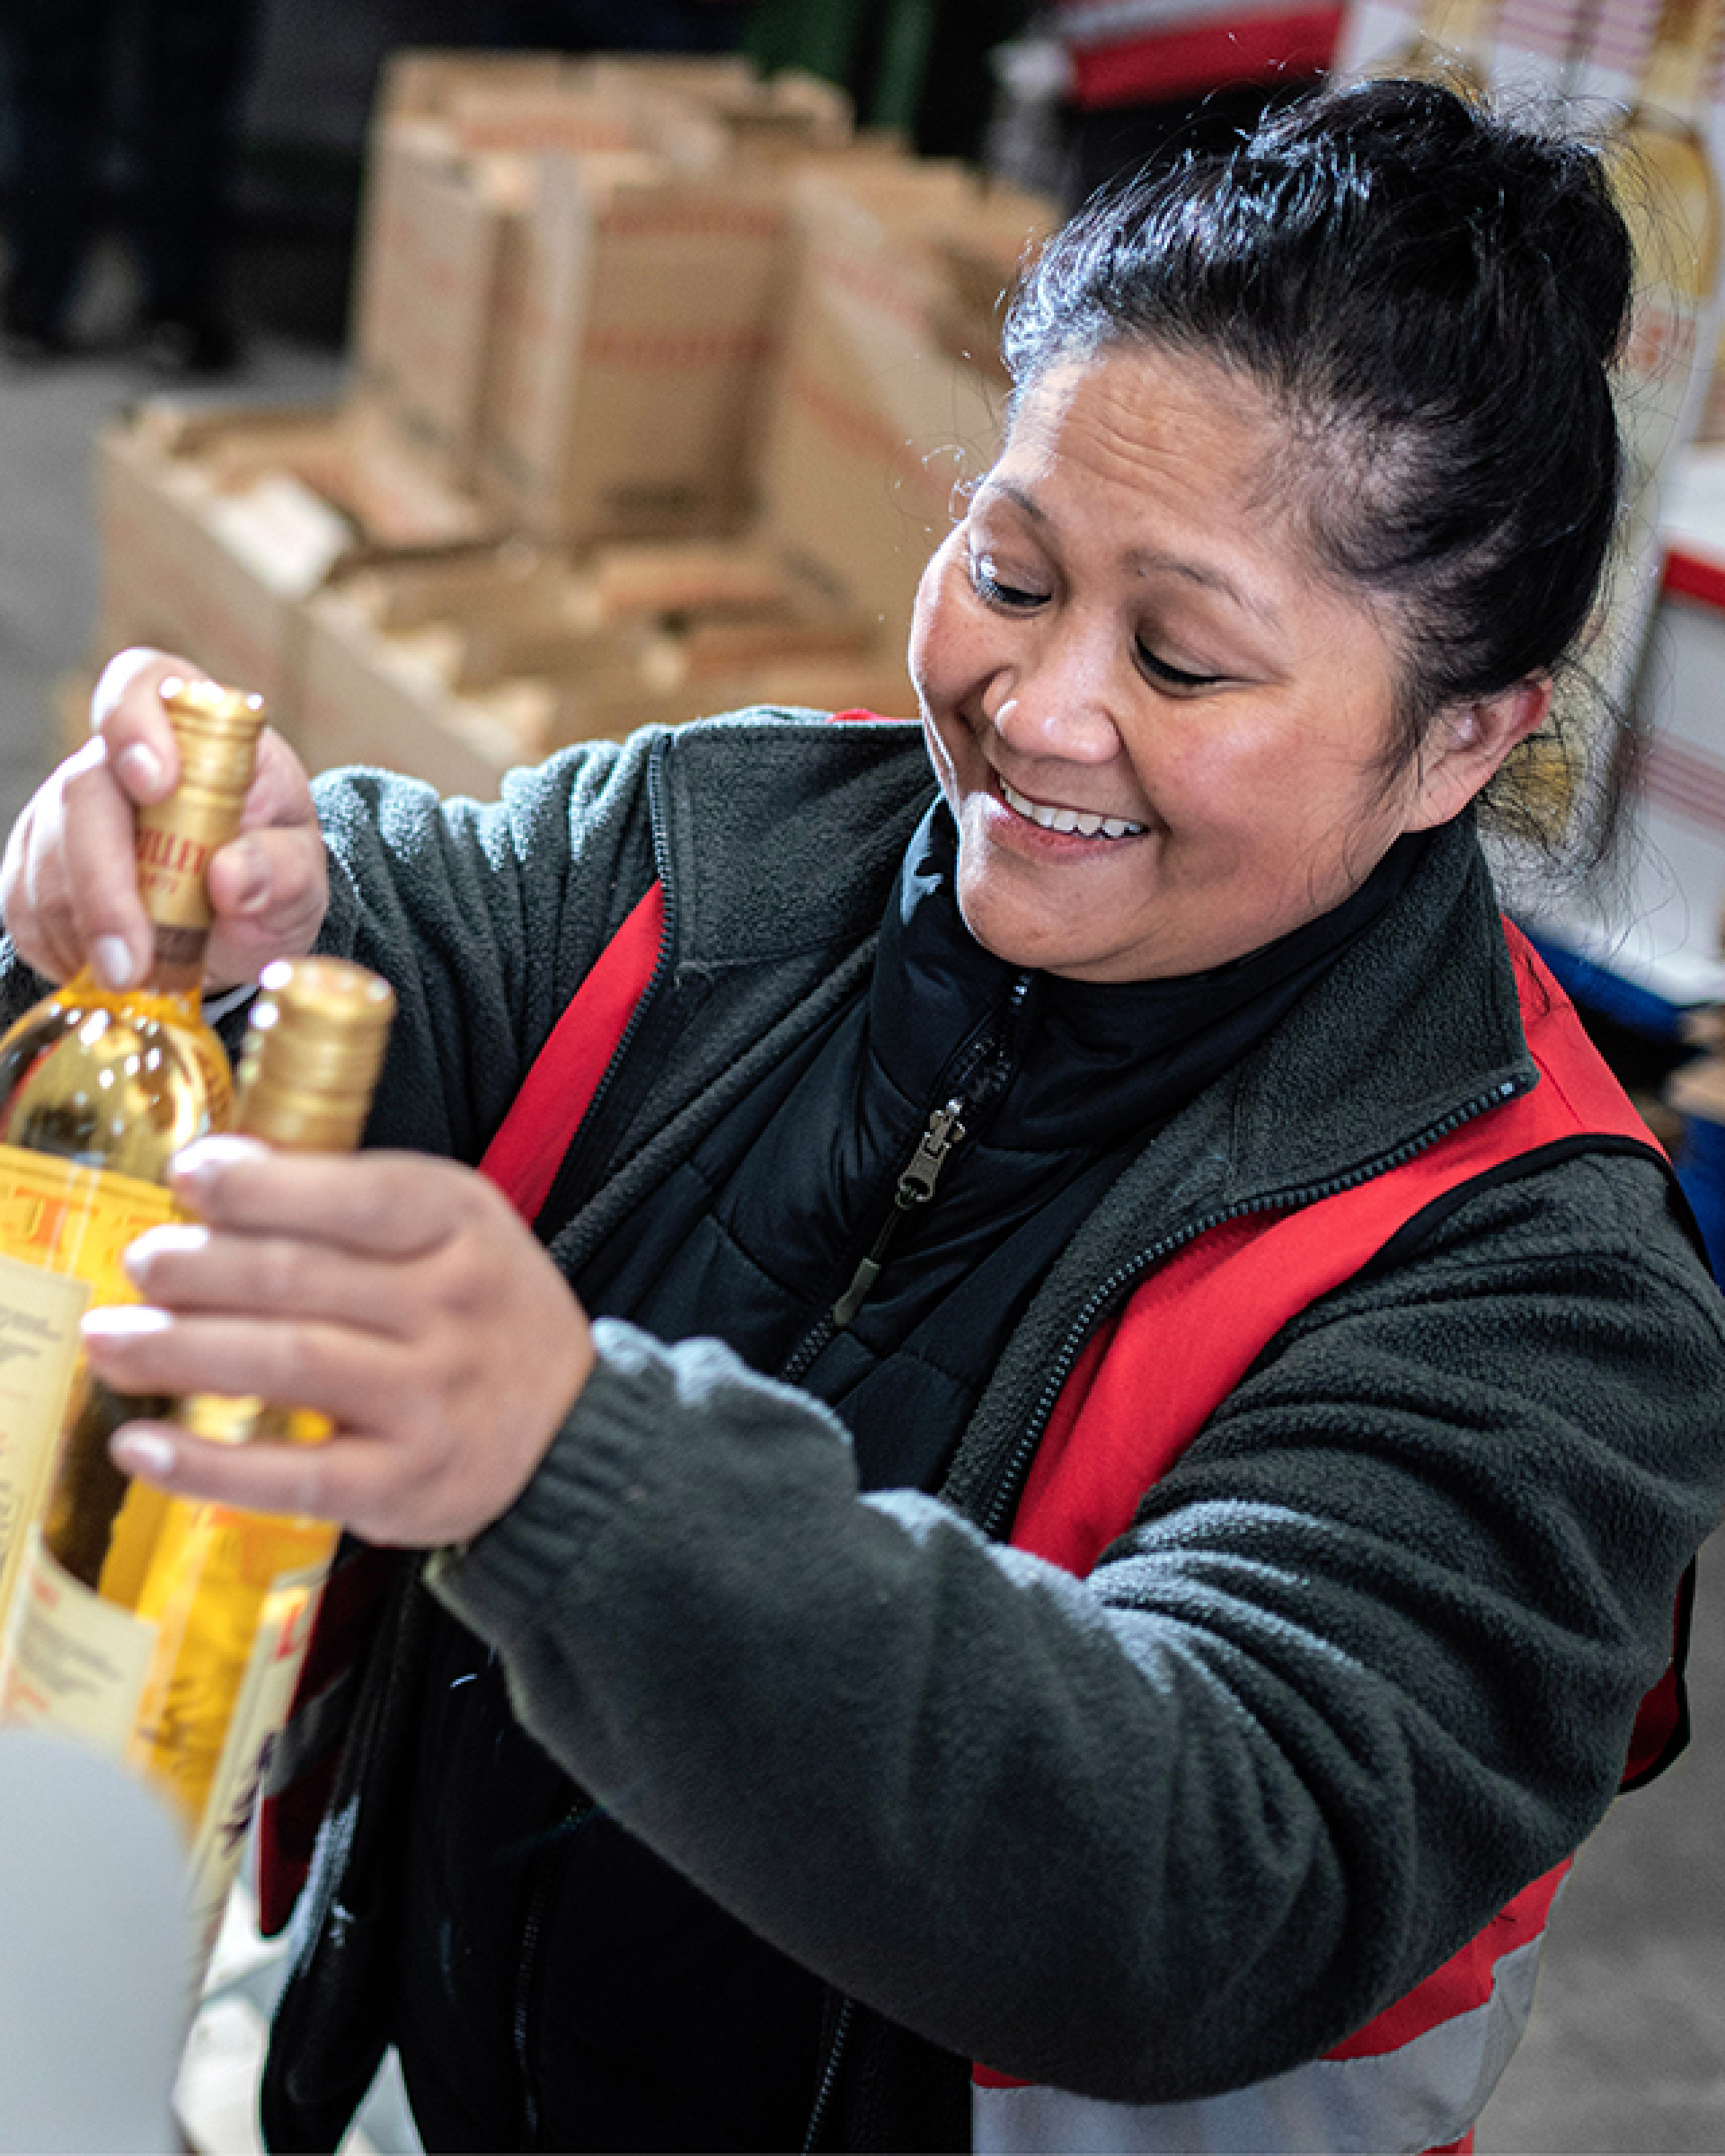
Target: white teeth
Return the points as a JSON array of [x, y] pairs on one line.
[[1069, 819]]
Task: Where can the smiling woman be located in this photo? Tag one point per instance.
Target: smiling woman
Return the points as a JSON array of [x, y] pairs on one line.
[[1068, 1493], [1162, 728]]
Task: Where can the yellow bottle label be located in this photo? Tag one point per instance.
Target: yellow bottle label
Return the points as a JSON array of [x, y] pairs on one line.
[[39, 1350], [266, 1693], [63, 1230], [76, 1665]]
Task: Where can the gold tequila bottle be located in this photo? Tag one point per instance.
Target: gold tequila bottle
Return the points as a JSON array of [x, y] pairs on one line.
[[208, 1609], [99, 1089]]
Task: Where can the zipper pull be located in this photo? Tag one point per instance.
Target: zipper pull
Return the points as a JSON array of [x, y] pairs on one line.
[[916, 1186]]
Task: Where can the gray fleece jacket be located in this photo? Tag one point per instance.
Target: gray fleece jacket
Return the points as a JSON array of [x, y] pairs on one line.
[[1365, 1665]]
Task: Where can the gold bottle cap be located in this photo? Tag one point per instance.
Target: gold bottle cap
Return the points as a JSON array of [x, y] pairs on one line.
[[216, 731], [319, 1030]]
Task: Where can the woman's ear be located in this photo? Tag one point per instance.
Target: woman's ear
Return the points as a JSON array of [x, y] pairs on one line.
[[1467, 743]]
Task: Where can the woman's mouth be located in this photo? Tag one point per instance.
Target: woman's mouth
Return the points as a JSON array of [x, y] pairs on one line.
[[1079, 821]]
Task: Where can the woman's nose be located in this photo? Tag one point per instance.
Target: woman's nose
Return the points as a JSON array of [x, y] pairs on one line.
[[1056, 705]]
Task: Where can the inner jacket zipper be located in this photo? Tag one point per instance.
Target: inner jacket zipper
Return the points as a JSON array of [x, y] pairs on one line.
[[981, 1077], [549, 1865], [916, 1183], [992, 1514]]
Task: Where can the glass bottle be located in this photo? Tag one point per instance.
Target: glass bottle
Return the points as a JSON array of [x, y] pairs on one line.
[[206, 1608], [99, 1089]]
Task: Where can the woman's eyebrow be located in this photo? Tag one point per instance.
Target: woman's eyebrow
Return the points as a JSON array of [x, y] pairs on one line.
[[1026, 501], [1143, 561]]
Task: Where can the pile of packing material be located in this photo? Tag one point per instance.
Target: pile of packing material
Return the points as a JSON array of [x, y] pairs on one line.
[[622, 321]]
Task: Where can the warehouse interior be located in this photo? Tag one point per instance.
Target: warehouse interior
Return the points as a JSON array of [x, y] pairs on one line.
[[1626, 2049]]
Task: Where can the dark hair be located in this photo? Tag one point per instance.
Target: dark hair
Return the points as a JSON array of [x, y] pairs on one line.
[[1433, 298]]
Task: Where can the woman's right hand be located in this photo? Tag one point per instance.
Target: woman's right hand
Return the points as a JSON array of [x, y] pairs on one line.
[[69, 886]]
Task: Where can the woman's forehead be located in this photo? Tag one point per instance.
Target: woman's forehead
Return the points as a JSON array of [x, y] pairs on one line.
[[1140, 413], [1167, 462]]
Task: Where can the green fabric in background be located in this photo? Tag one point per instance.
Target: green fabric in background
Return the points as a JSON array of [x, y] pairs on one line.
[[920, 66]]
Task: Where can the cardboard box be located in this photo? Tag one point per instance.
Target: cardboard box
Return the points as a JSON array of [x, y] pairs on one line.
[[876, 416], [453, 672], [634, 335], [425, 310], [217, 526], [789, 115], [422, 82]]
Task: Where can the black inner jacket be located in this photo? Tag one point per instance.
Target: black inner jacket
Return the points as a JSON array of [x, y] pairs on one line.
[[558, 1987]]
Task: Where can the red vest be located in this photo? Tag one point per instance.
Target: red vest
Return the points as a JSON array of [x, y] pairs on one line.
[[1416, 2075]]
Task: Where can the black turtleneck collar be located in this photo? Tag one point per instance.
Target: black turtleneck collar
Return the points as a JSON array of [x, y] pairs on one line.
[[1092, 1064]]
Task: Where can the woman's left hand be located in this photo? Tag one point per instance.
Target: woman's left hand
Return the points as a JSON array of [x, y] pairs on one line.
[[400, 1295]]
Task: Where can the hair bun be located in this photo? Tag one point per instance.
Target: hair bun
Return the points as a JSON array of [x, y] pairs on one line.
[[1538, 210]]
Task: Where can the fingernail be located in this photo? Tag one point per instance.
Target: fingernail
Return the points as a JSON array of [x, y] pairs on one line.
[[174, 1236], [143, 1452], [123, 1322], [196, 1166], [140, 768], [112, 958]]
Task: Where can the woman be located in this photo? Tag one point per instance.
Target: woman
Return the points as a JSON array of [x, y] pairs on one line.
[[1143, 1145]]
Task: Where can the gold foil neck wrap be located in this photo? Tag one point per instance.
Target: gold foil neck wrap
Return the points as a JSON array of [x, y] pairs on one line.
[[319, 1030], [216, 731]]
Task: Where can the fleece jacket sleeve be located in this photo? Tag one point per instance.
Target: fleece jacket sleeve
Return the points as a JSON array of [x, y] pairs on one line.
[[484, 918], [1366, 1663]]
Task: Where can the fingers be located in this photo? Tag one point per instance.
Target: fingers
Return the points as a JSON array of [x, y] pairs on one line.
[[384, 1205], [68, 882], [354, 1377], [191, 1270], [296, 1479], [93, 873], [346, 1480], [270, 889], [401, 1297], [126, 711]]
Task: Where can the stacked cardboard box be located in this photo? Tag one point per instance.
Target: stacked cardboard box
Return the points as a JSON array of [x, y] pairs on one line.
[[215, 526], [658, 372], [457, 671]]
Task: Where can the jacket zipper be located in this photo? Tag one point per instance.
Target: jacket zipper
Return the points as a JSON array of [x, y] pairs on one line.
[[829, 2073], [983, 1069], [916, 1183], [528, 1970], [992, 1518]]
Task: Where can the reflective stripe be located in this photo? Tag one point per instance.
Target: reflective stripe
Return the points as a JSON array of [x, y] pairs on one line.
[[1428, 2091]]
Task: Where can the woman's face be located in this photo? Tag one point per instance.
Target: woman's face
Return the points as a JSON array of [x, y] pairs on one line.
[[1162, 733]]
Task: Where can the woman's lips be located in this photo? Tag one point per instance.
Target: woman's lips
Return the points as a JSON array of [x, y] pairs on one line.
[[1079, 823]]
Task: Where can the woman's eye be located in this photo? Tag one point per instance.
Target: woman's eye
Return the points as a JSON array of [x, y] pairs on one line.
[[989, 586], [1174, 677]]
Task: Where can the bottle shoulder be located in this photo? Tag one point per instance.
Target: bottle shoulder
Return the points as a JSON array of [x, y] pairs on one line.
[[111, 1080]]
